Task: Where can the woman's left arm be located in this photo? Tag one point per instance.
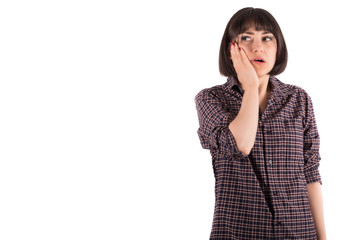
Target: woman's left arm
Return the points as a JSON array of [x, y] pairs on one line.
[[312, 162], [316, 205]]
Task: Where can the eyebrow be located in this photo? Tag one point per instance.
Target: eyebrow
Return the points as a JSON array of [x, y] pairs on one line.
[[251, 33]]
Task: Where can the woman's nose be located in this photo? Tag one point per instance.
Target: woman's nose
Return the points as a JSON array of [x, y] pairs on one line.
[[257, 46]]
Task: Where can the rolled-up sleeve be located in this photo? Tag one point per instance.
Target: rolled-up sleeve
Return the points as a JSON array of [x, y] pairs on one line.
[[213, 131], [311, 144]]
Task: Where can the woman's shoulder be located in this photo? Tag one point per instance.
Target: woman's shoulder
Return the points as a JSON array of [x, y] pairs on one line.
[[217, 91], [291, 89]]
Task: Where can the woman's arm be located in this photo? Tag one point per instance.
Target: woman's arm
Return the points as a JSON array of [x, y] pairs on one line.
[[316, 205], [244, 126]]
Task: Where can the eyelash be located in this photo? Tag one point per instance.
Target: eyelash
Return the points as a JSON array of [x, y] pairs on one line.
[[243, 38]]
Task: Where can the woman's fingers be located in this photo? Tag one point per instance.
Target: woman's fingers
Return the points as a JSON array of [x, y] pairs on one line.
[[238, 52], [235, 49], [244, 69], [243, 54], [235, 53], [239, 57]]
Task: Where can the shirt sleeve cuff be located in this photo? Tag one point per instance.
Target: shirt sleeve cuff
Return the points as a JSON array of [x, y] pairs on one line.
[[232, 144], [313, 176]]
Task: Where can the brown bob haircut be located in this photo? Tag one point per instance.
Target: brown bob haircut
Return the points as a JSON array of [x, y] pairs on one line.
[[242, 20]]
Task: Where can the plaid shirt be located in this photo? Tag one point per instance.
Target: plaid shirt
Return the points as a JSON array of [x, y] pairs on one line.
[[262, 195]]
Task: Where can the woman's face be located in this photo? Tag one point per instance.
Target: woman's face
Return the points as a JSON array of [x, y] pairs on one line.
[[259, 44]]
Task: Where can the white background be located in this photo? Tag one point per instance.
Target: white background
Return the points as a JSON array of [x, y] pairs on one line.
[[98, 121]]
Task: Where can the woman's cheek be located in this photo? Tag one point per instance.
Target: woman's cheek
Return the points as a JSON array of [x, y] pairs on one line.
[[245, 48]]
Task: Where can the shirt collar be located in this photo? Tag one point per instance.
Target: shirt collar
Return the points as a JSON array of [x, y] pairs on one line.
[[280, 89]]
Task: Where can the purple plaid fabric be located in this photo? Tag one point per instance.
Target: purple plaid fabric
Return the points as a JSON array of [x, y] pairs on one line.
[[262, 195]]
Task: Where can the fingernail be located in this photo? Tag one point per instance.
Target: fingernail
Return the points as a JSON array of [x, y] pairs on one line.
[[232, 43]]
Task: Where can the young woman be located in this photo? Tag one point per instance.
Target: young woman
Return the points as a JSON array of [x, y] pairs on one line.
[[263, 139]]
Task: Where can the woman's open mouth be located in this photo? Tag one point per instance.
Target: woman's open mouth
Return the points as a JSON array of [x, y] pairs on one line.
[[258, 60]]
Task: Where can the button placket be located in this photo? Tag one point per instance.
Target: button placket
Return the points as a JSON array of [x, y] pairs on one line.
[[267, 129], [276, 192]]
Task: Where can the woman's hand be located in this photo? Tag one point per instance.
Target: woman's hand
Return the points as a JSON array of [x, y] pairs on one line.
[[244, 69]]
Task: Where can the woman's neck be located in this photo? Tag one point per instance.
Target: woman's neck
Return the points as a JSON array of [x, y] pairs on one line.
[[264, 86]]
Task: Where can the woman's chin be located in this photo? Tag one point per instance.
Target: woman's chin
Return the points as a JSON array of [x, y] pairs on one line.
[[262, 74]]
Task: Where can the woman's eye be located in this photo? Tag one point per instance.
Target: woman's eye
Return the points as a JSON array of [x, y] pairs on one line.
[[245, 38]]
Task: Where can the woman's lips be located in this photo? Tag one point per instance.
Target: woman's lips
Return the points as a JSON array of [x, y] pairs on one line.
[[258, 62]]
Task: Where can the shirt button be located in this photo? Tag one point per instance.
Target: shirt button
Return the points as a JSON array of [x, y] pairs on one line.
[[270, 162], [276, 192]]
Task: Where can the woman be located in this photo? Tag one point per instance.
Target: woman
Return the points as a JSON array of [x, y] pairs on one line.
[[263, 138]]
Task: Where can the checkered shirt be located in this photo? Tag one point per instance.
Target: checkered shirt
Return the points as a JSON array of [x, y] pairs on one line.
[[262, 195]]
